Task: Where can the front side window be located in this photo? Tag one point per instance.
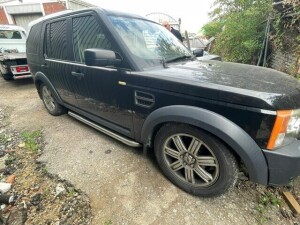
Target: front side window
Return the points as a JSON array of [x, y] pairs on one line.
[[149, 43], [56, 40], [88, 33]]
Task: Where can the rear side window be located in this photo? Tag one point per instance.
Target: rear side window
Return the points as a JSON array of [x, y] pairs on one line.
[[56, 40], [88, 33]]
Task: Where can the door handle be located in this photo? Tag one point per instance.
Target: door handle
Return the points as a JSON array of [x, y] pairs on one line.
[[78, 75]]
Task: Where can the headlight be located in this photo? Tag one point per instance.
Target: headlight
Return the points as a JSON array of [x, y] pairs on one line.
[[285, 129]]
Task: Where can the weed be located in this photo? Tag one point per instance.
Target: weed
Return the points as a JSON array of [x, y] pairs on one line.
[[71, 191], [108, 222], [10, 160], [4, 139], [267, 199], [265, 202], [44, 170], [30, 139]]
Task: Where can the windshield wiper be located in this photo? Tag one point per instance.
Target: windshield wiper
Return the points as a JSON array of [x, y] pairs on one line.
[[180, 58]]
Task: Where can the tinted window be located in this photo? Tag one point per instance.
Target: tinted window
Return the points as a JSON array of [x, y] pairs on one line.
[[88, 33], [56, 40]]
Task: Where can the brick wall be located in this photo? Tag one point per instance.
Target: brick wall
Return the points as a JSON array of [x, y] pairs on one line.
[[3, 19], [53, 7], [284, 61]]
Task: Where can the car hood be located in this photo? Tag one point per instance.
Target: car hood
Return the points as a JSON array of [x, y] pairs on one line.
[[230, 82]]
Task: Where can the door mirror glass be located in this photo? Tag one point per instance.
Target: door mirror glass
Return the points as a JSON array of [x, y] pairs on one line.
[[198, 52]]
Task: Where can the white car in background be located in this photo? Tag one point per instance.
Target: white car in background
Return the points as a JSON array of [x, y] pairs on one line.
[[197, 46], [13, 61]]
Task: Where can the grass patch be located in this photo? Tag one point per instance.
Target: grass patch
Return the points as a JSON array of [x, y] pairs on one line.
[[31, 140]]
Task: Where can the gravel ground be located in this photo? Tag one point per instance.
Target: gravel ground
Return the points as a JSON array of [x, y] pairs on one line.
[[123, 185], [39, 197]]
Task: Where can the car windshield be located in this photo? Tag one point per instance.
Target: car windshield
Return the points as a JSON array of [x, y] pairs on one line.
[[151, 44]]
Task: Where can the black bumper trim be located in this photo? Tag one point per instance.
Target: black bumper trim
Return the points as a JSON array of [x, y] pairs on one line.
[[283, 163]]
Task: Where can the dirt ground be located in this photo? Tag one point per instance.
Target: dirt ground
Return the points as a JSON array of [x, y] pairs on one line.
[[127, 187]]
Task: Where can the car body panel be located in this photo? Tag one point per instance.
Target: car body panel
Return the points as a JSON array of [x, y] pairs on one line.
[[236, 103]]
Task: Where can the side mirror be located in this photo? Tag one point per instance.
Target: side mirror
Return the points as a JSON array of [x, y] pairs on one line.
[[100, 57], [198, 52]]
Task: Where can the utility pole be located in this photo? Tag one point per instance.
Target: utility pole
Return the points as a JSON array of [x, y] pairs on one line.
[[67, 4]]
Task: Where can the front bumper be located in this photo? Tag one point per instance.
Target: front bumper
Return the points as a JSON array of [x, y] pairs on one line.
[[283, 163]]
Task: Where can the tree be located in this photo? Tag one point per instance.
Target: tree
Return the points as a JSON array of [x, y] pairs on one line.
[[238, 26]]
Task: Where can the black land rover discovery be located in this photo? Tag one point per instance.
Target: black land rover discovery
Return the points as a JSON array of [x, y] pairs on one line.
[[133, 80]]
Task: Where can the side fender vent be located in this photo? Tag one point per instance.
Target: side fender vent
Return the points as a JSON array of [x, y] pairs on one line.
[[144, 99]]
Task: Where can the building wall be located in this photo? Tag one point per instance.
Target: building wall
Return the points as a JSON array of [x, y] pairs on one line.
[[52, 7], [77, 4], [22, 13], [285, 56], [3, 19], [285, 61]]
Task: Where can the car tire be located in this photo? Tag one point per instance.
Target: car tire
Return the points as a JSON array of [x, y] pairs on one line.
[[6, 77], [52, 106], [195, 160]]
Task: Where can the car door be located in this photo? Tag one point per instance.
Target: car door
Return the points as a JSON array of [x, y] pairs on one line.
[[56, 65], [98, 90]]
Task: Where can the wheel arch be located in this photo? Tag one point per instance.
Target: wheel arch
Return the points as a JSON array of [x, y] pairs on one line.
[[40, 79], [227, 131]]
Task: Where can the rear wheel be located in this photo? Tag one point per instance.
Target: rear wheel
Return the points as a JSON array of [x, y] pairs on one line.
[[52, 106], [7, 77], [195, 160]]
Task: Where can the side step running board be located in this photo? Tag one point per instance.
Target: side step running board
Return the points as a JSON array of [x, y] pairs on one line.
[[124, 140]]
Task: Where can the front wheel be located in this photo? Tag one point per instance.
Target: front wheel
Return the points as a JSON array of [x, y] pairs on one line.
[[194, 160], [52, 106]]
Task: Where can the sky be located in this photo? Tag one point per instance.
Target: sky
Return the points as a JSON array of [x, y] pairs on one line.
[[193, 14]]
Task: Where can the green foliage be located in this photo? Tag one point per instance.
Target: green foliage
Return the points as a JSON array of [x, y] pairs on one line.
[[213, 28], [286, 38], [44, 170], [268, 199], [108, 222], [265, 202], [4, 139], [243, 25], [31, 139], [71, 191], [10, 160]]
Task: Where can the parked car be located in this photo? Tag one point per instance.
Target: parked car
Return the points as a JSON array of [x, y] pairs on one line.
[[13, 62], [198, 46], [133, 80]]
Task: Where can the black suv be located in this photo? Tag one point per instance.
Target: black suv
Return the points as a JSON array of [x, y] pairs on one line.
[[133, 80]]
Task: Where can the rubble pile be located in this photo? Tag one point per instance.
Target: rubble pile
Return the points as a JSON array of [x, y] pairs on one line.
[[28, 193]]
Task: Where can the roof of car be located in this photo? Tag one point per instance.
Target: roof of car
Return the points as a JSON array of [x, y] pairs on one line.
[[47, 17], [66, 12]]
